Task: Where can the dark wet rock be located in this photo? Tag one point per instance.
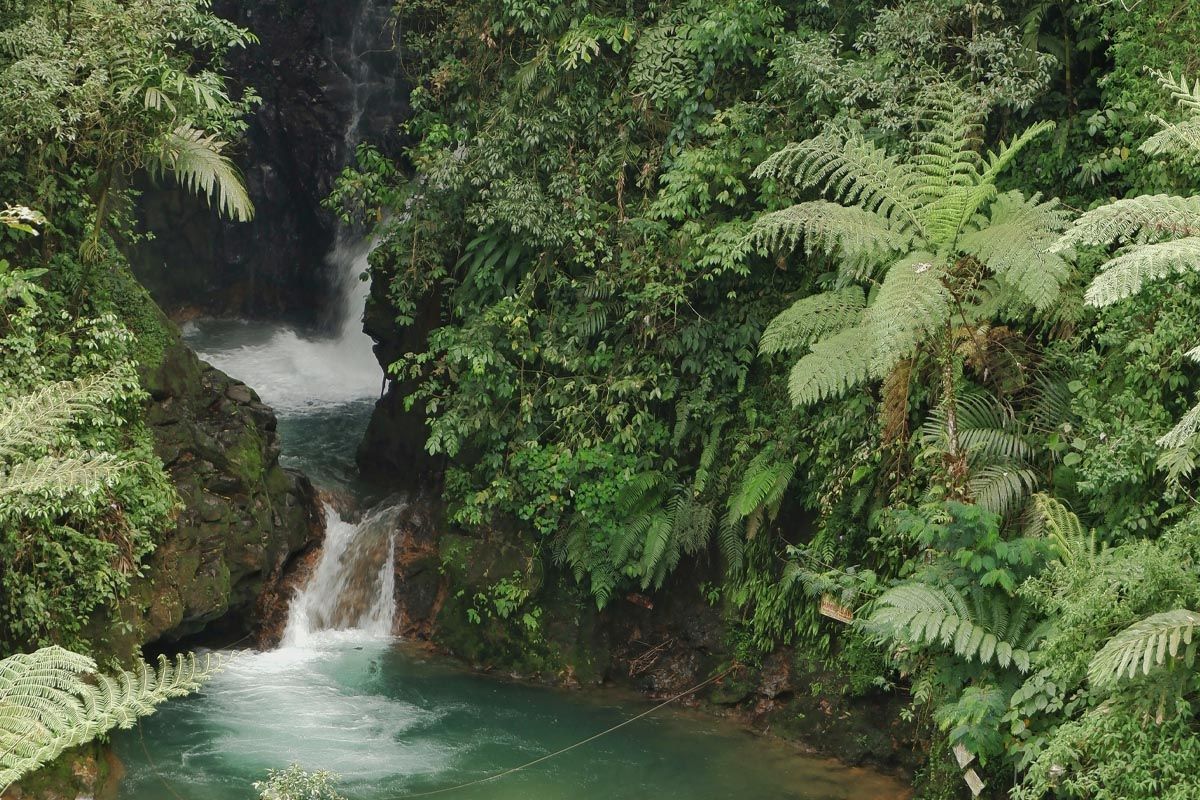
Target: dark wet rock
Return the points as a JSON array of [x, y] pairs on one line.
[[295, 148]]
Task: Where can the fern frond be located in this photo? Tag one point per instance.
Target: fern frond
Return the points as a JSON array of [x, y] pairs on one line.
[[1179, 445], [938, 616], [1146, 646], [998, 160], [855, 234], [1001, 488], [1062, 527], [1185, 96], [54, 476], [1136, 220], [198, 162], [835, 364], [1126, 274], [911, 305], [1015, 245], [947, 149], [763, 485], [853, 171], [1178, 139], [812, 318], [36, 419], [49, 702]]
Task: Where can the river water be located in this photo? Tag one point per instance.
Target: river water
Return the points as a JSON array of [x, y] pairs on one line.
[[392, 721]]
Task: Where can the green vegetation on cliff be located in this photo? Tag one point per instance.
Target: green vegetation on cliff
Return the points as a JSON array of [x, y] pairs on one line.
[[90, 93], [784, 285]]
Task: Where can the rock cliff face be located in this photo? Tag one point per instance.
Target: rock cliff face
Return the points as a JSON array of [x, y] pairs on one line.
[[243, 515], [328, 74]]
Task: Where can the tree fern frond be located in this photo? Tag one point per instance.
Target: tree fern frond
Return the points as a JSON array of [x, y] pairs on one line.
[[947, 149], [998, 160], [853, 170], [812, 318], [1015, 245], [198, 162], [1126, 274], [911, 305], [1185, 96], [1146, 646], [1179, 139], [938, 616], [52, 700], [856, 234], [1136, 220], [834, 365], [1178, 445]]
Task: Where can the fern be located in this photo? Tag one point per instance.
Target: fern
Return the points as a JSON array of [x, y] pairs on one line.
[[1156, 642], [1137, 220], [198, 162], [1015, 245], [53, 699], [812, 318], [1126, 274], [911, 305], [1179, 445], [835, 365], [918, 614], [854, 171], [858, 236]]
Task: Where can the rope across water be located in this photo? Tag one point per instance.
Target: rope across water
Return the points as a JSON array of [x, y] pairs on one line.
[[504, 773]]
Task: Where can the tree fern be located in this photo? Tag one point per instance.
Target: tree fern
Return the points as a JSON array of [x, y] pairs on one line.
[[1125, 275], [198, 162], [812, 318], [1015, 245], [858, 236], [925, 221], [53, 699], [1151, 644]]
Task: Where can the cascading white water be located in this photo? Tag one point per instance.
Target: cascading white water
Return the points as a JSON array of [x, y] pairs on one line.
[[353, 585]]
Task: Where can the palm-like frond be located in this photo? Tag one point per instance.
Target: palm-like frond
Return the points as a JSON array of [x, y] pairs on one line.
[[1146, 646], [939, 616], [858, 236], [812, 318], [854, 171], [1015, 244], [52, 700], [57, 476], [198, 162], [1136, 220], [1126, 274]]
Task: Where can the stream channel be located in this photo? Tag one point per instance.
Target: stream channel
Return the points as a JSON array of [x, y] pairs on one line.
[[391, 720]]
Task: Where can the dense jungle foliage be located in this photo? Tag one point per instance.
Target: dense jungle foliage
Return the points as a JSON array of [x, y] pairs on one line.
[[91, 93], [805, 289]]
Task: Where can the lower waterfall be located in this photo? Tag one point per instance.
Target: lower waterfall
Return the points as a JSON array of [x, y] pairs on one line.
[[353, 584]]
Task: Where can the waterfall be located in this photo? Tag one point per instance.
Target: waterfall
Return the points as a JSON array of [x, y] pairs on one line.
[[352, 587]]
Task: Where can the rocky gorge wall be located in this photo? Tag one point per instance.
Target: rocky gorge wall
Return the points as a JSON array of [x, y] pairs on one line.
[[242, 516], [329, 77]]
